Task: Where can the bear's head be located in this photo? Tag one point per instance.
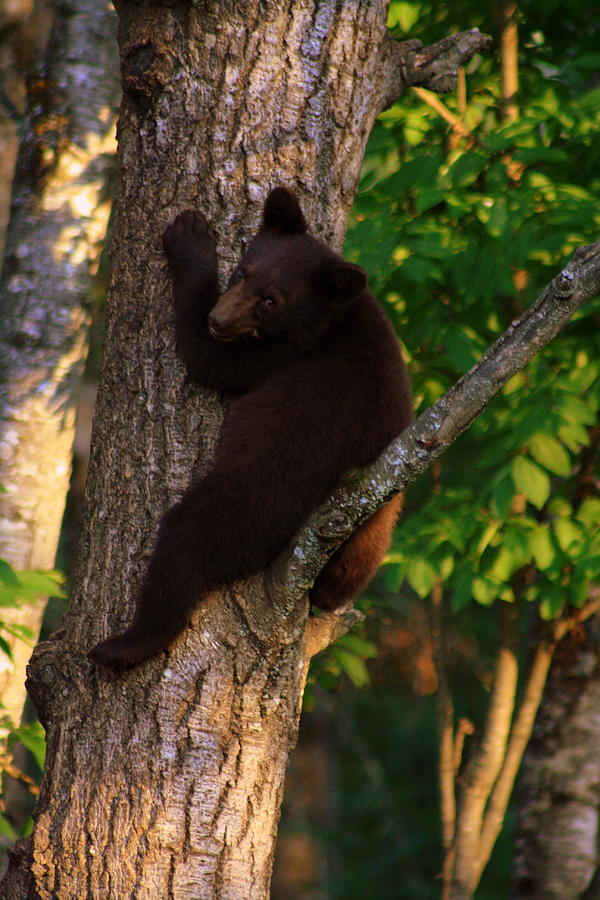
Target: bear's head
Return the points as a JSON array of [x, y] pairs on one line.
[[289, 285]]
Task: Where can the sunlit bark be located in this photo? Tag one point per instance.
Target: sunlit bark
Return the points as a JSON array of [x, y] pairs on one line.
[[58, 220]]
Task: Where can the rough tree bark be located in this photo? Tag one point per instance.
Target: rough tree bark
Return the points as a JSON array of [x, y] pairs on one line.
[[59, 212], [556, 850], [166, 782]]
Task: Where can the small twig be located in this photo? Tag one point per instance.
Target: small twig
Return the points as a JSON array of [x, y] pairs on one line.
[[453, 120], [445, 724], [464, 728], [9, 106], [9, 767]]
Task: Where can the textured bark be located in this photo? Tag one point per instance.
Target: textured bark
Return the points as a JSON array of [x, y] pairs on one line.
[[556, 849], [166, 782], [58, 220]]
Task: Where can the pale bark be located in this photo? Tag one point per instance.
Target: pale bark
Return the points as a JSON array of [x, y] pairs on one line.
[[166, 782], [556, 850], [58, 220]]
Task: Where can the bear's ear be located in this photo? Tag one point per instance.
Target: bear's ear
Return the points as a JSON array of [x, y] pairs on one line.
[[343, 281], [282, 211]]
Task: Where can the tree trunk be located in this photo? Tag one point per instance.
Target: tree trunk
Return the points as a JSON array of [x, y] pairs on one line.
[[556, 848], [59, 212], [166, 781]]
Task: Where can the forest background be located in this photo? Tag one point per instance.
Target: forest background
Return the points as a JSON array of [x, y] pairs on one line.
[[468, 205]]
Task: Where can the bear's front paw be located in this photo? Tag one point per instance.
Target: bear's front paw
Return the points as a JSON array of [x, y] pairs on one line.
[[190, 240]]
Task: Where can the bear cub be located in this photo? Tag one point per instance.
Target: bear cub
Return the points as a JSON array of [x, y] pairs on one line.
[[320, 388]]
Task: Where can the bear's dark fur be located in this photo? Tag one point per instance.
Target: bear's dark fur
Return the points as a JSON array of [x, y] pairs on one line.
[[321, 389]]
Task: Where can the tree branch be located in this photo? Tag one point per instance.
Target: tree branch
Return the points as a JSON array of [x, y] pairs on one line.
[[483, 769], [363, 492], [409, 64], [446, 743], [453, 120]]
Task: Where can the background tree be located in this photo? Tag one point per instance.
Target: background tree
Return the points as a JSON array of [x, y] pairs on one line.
[[59, 211]]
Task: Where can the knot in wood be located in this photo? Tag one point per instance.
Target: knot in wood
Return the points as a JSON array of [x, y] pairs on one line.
[[334, 524], [564, 285]]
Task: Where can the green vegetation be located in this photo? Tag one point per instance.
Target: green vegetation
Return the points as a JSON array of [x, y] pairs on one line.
[[464, 215]]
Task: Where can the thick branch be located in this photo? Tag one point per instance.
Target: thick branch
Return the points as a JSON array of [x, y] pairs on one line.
[[409, 64], [412, 453]]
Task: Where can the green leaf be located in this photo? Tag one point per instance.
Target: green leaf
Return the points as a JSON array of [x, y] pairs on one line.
[[589, 512], [21, 631], [461, 589], [467, 168], [502, 496], [553, 602], [403, 14], [421, 575], [574, 436], [5, 647], [392, 575], [550, 454], [575, 410], [353, 665], [6, 829], [429, 197], [504, 564], [359, 645], [33, 737], [542, 548], [7, 574], [485, 590], [530, 480], [591, 567], [41, 584], [569, 536]]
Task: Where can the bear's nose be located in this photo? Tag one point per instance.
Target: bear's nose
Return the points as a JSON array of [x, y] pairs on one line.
[[218, 329]]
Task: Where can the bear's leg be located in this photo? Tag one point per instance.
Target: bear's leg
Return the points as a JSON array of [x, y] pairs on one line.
[[352, 566], [203, 542], [190, 247]]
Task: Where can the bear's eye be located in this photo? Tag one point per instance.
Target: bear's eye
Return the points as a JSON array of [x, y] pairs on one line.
[[241, 272], [268, 302]]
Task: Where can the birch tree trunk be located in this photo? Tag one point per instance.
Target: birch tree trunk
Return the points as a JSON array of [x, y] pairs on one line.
[[166, 781], [60, 206], [556, 847]]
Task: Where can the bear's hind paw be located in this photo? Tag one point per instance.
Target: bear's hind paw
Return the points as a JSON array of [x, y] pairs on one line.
[[127, 650]]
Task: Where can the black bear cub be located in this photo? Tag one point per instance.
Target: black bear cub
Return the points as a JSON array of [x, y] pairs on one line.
[[321, 388]]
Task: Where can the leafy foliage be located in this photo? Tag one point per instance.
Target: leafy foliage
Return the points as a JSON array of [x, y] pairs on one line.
[[17, 589], [459, 233]]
